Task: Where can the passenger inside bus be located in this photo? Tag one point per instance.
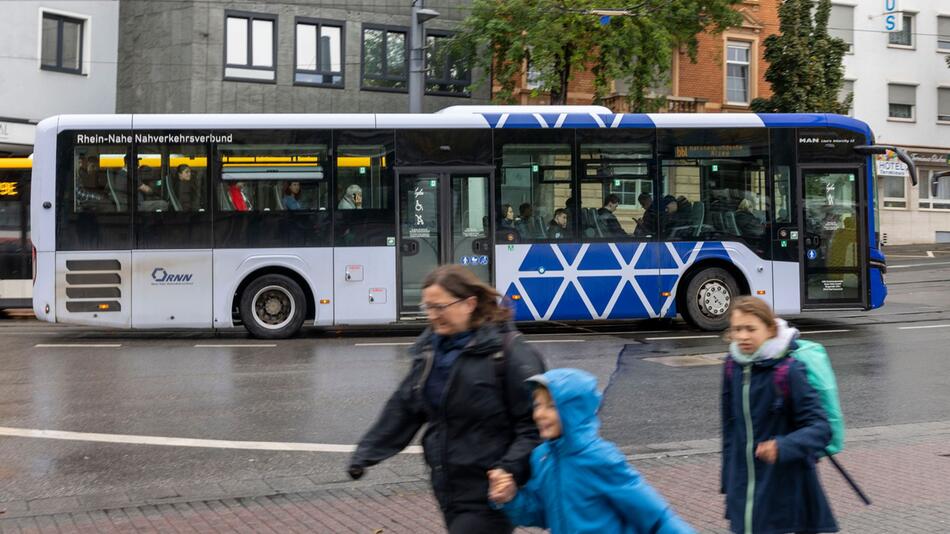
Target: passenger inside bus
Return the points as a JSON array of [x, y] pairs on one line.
[[89, 192], [507, 220], [352, 198], [149, 190], [188, 190], [747, 223], [291, 199], [608, 221], [238, 197], [557, 228]]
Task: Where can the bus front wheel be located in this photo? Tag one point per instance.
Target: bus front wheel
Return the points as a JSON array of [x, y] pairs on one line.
[[709, 297], [273, 307]]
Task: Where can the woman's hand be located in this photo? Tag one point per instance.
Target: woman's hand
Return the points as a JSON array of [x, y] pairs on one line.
[[501, 486], [767, 451]]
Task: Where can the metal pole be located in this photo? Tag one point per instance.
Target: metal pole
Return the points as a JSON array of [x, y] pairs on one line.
[[416, 59]]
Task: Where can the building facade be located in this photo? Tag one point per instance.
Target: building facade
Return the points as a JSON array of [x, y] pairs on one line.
[[58, 57], [901, 86], [317, 56]]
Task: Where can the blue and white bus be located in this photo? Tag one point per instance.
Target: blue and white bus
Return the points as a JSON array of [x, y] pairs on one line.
[[573, 213]]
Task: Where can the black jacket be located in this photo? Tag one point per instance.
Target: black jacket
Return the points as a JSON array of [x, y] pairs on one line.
[[473, 431]]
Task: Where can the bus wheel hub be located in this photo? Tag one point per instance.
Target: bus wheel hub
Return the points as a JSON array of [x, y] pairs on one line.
[[714, 298]]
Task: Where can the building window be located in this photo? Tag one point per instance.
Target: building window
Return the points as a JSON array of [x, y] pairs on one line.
[[943, 34], [893, 191], [934, 192], [385, 61], [901, 100], [319, 52], [250, 47], [847, 89], [943, 104], [841, 24], [61, 47], [446, 72], [905, 37], [532, 75], [737, 72]]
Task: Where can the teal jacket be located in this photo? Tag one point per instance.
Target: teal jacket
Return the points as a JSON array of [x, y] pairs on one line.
[[581, 483]]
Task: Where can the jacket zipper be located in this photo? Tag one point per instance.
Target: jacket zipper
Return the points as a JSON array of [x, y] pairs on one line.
[[749, 457]]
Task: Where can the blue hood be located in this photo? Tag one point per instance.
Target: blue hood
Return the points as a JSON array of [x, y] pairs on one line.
[[577, 401]]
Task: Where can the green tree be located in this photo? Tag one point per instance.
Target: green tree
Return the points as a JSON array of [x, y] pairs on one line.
[[562, 37], [805, 62]]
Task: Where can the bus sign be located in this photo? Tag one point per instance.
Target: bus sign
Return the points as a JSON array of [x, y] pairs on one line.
[[9, 190]]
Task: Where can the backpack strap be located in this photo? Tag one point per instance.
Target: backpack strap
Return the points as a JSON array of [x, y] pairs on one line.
[[730, 366], [780, 377]]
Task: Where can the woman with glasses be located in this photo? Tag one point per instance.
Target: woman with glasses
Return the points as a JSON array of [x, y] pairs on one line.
[[467, 384]]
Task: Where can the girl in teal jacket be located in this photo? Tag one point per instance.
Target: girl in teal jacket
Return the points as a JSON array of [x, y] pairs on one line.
[[580, 483]]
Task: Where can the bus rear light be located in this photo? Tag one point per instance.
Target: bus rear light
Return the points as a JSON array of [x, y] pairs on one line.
[[104, 307], [33, 264], [324, 301], [760, 292], [516, 297], [665, 294]]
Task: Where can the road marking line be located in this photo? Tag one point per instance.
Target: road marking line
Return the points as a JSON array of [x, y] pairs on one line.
[[556, 341], [399, 344], [930, 254], [889, 267], [825, 332], [922, 327], [681, 337], [184, 442], [234, 345], [77, 345]]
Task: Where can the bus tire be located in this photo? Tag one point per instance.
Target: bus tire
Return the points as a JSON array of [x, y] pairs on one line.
[[709, 297], [273, 307]]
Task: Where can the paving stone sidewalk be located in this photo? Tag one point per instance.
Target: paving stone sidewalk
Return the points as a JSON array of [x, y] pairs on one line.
[[905, 469]]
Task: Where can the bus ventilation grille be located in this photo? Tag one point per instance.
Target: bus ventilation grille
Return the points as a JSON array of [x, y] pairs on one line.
[[93, 286]]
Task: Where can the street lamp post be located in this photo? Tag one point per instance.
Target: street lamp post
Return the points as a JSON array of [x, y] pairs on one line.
[[417, 63]]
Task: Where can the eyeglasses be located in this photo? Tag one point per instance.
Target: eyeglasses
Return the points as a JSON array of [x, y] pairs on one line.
[[437, 308]]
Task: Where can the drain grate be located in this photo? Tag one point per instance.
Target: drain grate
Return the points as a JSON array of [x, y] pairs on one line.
[[691, 360]]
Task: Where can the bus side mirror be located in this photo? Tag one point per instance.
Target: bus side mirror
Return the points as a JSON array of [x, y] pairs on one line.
[[902, 155]]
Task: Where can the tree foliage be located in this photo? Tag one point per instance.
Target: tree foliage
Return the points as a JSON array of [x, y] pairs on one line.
[[805, 62], [562, 37]]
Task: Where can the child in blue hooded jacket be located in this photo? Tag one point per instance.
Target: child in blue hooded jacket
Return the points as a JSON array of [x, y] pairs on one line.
[[580, 483]]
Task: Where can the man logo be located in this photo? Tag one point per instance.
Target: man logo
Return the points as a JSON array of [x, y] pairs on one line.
[[161, 276]]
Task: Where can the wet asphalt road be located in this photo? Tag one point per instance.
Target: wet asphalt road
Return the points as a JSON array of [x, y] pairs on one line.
[[327, 387]]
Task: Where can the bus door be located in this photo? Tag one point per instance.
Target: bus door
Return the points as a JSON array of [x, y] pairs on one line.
[[834, 237], [443, 218]]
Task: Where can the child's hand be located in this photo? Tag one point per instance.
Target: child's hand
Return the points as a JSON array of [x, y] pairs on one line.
[[767, 451], [501, 486]]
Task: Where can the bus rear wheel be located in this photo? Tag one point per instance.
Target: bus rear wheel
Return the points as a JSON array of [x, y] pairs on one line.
[[709, 297], [273, 307]]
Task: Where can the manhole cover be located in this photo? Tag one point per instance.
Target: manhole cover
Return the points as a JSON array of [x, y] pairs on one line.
[[692, 360]]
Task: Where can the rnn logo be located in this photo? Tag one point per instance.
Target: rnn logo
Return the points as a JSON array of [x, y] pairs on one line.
[[161, 275]]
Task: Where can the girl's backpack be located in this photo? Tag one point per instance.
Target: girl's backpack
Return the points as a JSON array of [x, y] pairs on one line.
[[821, 377]]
